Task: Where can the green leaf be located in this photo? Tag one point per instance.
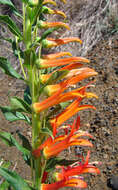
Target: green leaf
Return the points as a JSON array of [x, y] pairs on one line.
[[14, 179], [11, 5], [17, 50], [47, 131], [4, 185], [13, 115], [27, 95], [8, 69], [25, 141], [8, 139], [11, 25], [20, 105]]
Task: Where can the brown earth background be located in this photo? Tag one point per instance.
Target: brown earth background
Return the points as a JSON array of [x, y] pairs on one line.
[[97, 25]]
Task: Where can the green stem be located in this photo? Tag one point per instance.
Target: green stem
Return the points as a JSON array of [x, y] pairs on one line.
[[20, 60]]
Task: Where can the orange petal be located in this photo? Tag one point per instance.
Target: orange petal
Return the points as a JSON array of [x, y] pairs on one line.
[[56, 55], [46, 63], [50, 2], [71, 110], [50, 42], [58, 13], [46, 25], [76, 182], [81, 142], [71, 66], [64, 1], [91, 170], [38, 107]]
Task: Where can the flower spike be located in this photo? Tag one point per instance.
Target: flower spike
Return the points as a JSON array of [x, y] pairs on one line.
[[53, 147]]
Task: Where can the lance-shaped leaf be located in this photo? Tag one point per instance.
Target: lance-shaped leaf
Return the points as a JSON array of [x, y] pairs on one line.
[[11, 25], [11, 5], [14, 179], [8, 69], [13, 115], [8, 139], [46, 63], [20, 105]]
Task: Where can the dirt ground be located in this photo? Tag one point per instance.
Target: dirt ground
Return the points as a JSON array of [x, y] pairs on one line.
[[102, 123]]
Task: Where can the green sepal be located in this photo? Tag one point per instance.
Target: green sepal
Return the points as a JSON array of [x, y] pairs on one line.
[[13, 115], [58, 75], [20, 105], [47, 33], [8, 69], [11, 25], [15, 180]]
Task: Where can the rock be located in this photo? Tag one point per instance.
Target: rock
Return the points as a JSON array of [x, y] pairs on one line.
[[113, 182]]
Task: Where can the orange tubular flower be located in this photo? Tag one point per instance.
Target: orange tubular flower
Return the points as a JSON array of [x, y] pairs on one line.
[[71, 110], [50, 11], [72, 182], [59, 88], [73, 170], [52, 147], [46, 63], [56, 55], [46, 25], [50, 42]]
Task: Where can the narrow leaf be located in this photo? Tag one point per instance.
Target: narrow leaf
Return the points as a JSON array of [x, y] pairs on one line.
[[11, 5], [14, 179], [8, 69], [13, 115], [19, 105], [11, 25]]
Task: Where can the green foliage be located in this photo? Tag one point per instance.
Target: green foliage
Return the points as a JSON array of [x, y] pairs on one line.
[[13, 115], [19, 105], [11, 5], [16, 181], [8, 69], [11, 25]]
